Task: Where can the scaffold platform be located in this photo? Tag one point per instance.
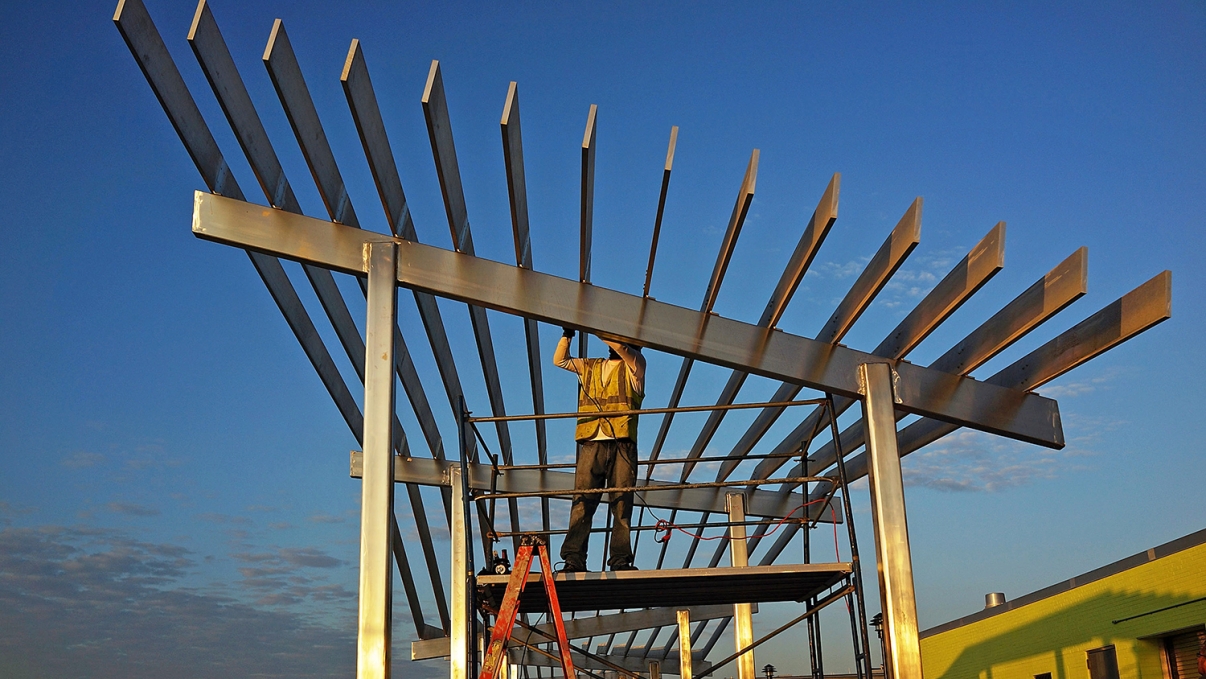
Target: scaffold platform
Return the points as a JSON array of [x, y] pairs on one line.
[[674, 587]]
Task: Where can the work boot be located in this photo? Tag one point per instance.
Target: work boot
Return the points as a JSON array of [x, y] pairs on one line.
[[572, 566], [624, 567]]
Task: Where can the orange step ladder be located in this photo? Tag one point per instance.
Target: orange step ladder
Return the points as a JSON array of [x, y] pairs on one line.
[[504, 623]]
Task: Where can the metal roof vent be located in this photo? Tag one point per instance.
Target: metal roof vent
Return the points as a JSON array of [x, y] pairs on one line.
[[994, 599]]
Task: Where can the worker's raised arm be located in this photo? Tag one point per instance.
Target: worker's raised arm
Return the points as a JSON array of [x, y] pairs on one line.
[[561, 357], [635, 362]]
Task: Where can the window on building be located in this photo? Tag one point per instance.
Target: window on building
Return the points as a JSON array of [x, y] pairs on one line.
[[1044, 675], [1103, 663], [1181, 653]]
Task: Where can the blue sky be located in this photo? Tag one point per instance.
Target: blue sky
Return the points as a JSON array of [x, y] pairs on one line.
[[174, 491]]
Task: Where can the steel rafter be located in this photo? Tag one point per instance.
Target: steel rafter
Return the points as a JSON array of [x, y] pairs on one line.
[[512, 141]]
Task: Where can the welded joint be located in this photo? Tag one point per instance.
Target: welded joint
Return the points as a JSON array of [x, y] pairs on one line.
[[221, 176], [278, 194], [367, 248], [862, 382], [341, 205]]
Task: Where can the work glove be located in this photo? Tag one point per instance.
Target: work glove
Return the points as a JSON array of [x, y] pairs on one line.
[[567, 333]]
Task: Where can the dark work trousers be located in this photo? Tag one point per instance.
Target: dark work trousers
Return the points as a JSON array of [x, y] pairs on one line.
[[608, 463]]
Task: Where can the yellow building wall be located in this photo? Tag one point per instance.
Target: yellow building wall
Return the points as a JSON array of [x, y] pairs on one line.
[[1053, 634]]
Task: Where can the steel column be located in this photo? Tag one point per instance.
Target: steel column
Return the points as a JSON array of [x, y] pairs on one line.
[[459, 634], [743, 627], [684, 643], [377, 486], [895, 565]]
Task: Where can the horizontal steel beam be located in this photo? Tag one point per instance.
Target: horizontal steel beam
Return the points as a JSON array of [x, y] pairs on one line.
[[522, 656], [428, 472], [645, 322], [595, 625]]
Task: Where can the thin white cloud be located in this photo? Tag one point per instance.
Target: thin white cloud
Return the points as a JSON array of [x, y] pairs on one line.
[[131, 509], [86, 602], [969, 461], [1068, 389], [224, 519], [82, 460]]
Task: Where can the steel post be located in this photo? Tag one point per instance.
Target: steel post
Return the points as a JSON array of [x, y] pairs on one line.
[[459, 634], [684, 643], [377, 485], [895, 565], [743, 620]]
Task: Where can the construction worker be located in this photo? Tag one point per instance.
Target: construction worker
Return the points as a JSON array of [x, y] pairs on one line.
[[607, 453]]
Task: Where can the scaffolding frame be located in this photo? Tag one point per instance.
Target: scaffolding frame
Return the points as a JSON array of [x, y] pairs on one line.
[[850, 587]]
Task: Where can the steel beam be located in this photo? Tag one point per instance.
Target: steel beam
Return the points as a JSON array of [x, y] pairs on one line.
[[1135, 312], [439, 127], [879, 270], [595, 625], [294, 95], [661, 208], [806, 250], [1061, 286], [220, 70], [823, 218], [427, 472], [644, 322], [362, 101], [587, 216], [443, 150], [1139, 310], [897, 598], [145, 43], [366, 114], [964, 280], [377, 487], [741, 208], [529, 658], [743, 629], [512, 139]]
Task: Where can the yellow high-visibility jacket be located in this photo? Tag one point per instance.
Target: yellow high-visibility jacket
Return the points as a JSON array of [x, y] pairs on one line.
[[595, 394]]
